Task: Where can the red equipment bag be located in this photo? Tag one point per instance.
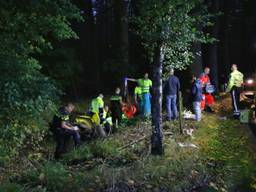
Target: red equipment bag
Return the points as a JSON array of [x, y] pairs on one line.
[[129, 110]]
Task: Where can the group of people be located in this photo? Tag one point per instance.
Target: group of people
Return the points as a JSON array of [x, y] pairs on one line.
[[201, 93], [63, 128], [110, 117]]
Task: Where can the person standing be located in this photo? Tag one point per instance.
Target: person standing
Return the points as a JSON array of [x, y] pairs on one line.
[[197, 97], [138, 98], [171, 88], [204, 77], [208, 99], [235, 84], [115, 107], [145, 84]]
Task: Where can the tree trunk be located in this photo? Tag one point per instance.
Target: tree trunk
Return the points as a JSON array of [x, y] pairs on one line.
[[197, 65], [213, 48], [157, 134], [90, 53], [226, 24], [121, 8]]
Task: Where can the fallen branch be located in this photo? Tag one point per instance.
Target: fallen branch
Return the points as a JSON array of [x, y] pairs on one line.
[[132, 143], [141, 139]]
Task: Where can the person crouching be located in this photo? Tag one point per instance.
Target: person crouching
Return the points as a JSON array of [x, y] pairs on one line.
[[107, 120], [63, 129]]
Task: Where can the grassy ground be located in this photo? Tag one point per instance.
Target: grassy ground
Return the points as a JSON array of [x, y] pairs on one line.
[[223, 159]]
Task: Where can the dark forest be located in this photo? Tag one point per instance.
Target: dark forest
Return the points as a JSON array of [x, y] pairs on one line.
[[127, 95]]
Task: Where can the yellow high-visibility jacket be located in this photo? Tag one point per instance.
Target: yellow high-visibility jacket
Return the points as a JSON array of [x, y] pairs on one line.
[[236, 79], [96, 104], [138, 91], [108, 119], [145, 85]]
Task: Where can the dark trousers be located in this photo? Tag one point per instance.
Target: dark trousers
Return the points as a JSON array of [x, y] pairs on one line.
[[235, 95], [62, 136], [116, 115], [107, 127]]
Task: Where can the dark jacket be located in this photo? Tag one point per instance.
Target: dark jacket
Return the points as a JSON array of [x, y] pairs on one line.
[[61, 115], [196, 91], [172, 85], [115, 105]]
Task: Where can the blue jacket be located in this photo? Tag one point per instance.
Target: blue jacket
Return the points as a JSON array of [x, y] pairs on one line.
[[196, 91], [172, 85]]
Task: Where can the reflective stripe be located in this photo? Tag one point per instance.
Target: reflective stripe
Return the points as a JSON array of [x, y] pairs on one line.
[[104, 114], [145, 85], [234, 101], [236, 112], [138, 91], [62, 117], [108, 120], [115, 98], [96, 104]]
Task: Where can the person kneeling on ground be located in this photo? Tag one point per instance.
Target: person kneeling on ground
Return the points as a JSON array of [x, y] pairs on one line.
[[196, 93], [63, 129], [97, 111], [97, 106], [107, 120]]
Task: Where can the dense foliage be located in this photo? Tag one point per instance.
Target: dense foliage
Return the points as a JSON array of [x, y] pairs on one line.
[[174, 25], [26, 30]]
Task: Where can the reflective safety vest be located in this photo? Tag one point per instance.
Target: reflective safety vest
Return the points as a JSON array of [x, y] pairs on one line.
[[115, 98], [59, 116], [236, 79], [107, 119], [96, 104], [145, 85], [63, 117], [138, 91]]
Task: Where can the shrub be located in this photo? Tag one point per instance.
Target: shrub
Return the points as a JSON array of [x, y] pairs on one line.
[[11, 187], [27, 96], [53, 176]]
